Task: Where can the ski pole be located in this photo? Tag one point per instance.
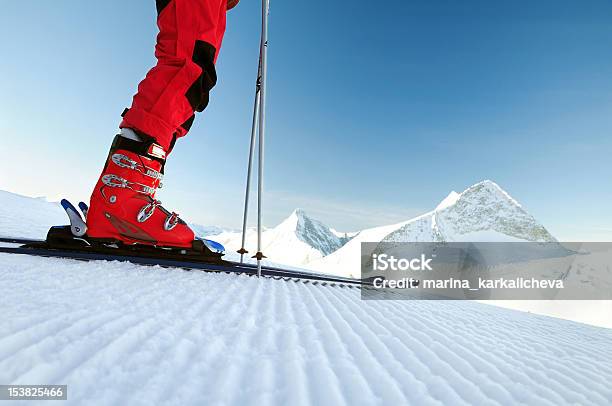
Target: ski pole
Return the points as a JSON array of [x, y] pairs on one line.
[[242, 249], [265, 9]]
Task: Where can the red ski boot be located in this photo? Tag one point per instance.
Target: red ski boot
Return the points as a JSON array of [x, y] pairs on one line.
[[123, 205]]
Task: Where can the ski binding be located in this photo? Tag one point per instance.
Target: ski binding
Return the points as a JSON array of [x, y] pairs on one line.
[[75, 236]]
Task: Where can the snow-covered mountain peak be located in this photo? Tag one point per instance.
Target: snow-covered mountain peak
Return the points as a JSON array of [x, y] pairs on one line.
[[298, 212], [292, 222], [310, 231], [482, 212], [486, 192], [486, 212], [448, 201]]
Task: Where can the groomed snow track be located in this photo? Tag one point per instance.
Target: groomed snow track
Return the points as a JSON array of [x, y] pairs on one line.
[[232, 267], [123, 334]]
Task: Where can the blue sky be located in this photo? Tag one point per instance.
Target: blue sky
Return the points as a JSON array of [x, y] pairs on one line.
[[375, 114]]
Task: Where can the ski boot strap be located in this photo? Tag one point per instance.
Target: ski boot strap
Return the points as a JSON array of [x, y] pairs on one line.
[[148, 147]]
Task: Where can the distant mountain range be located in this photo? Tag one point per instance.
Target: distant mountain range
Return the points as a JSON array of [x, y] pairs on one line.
[[482, 212]]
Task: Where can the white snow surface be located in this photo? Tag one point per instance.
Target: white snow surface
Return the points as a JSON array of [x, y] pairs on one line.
[[122, 334], [448, 200], [27, 217]]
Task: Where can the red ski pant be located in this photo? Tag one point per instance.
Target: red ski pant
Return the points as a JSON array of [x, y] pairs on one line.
[[190, 35]]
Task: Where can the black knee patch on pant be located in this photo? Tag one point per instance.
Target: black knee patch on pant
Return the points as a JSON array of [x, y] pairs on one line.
[[188, 123], [204, 57], [161, 4], [172, 143]]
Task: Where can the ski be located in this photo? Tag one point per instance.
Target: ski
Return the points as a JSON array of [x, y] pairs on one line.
[[156, 256], [72, 242]]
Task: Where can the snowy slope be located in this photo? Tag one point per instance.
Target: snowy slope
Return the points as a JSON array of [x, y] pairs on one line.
[[448, 201], [346, 261], [297, 240], [124, 334], [346, 236], [26, 217], [206, 231]]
